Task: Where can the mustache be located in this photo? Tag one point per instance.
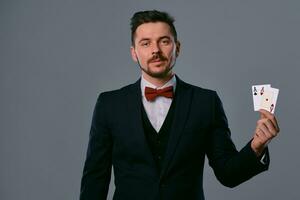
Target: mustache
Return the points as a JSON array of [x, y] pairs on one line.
[[157, 56]]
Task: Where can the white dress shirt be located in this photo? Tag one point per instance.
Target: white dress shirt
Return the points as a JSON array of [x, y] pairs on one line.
[[157, 110]]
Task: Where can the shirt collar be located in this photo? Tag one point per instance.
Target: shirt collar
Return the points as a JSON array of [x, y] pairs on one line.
[[145, 83]]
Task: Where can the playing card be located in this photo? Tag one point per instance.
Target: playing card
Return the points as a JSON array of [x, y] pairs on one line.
[[257, 92], [269, 99]]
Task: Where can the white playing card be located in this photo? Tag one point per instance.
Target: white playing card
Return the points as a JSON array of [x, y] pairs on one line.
[[257, 92], [269, 99]]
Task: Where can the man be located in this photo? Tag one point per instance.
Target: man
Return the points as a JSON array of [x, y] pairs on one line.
[[156, 132]]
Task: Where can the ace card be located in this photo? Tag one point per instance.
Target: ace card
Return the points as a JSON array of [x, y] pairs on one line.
[[257, 92], [269, 99]]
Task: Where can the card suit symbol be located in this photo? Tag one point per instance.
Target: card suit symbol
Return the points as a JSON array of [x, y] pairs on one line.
[[271, 107], [255, 91], [262, 91]]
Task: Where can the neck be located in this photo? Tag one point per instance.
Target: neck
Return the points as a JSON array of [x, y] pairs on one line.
[[158, 82]]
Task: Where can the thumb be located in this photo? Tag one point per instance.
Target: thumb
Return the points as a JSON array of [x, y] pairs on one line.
[[262, 115]]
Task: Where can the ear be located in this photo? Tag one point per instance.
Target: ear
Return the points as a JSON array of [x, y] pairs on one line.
[[178, 45], [133, 54]]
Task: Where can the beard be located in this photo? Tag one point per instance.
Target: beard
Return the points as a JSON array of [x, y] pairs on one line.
[[155, 74]]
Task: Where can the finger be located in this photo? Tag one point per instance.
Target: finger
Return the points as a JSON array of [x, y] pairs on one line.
[[265, 133], [267, 114], [267, 126], [262, 115], [260, 131], [274, 120], [260, 136], [270, 126]]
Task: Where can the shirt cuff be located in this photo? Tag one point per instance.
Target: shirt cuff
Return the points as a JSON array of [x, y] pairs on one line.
[[264, 158]]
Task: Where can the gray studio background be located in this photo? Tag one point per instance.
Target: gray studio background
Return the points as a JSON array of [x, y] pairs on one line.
[[57, 56]]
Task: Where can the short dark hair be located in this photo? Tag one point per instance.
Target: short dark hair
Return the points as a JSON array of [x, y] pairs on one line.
[[147, 16]]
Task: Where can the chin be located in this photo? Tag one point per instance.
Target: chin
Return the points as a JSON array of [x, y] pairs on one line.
[[159, 74]]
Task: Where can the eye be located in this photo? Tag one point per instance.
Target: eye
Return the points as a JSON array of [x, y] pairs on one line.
[[145, 43], [165, 41]]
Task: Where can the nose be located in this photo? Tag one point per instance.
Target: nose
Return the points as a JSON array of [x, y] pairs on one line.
[[155, 49]]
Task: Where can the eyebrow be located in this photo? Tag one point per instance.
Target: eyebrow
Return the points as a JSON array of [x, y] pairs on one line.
[[160, 38], [165, 37]]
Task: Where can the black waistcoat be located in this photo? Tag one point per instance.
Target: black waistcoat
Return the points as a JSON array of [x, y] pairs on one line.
[[158, 141]]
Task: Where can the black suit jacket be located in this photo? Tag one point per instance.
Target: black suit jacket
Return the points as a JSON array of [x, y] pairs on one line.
[[199, 128]]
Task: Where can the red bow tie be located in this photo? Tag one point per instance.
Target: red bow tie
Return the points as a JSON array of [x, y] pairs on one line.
[[152, 93]]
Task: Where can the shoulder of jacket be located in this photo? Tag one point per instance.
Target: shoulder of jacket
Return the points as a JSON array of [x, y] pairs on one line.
[[201, 90], [117, 93]]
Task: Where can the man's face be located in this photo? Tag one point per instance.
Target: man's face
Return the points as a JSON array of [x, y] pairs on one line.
[[155, 49]]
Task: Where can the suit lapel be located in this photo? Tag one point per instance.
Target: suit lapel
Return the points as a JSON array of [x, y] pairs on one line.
[[182, 107]]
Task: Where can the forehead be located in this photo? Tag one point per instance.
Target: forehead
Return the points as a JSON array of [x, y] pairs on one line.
[[153, 30]]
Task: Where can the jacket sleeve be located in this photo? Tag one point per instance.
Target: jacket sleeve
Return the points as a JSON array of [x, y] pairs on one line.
[[97, 168], [230, 166]]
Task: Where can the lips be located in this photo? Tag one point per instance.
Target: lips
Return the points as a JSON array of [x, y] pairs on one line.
[[157, 60]]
